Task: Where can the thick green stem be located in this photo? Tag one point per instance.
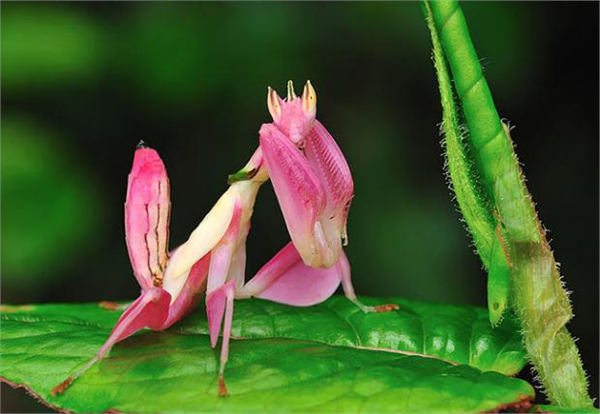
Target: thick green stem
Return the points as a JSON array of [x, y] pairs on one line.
[[474, 205], [537, 294]]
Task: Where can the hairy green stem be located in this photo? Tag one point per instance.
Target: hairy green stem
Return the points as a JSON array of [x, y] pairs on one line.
[[486, 157], [472, 200]]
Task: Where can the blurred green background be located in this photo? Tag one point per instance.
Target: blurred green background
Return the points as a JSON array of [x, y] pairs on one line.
[[82, 83]]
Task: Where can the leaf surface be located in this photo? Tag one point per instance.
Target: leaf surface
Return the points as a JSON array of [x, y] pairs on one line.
[[319, 359]]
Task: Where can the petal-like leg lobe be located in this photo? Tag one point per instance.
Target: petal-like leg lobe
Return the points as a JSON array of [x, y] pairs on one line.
[[147, 210], [215, 309], [191, 292], [286, 279], [270, 272], [149, 311]]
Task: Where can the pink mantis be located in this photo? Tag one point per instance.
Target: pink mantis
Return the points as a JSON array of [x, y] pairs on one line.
[[314, 187]]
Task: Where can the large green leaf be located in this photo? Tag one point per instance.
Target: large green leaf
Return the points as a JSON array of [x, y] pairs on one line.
[[282, 359]]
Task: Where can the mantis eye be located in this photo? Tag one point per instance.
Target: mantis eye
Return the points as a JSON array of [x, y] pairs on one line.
[[273, 103], [309, 100]]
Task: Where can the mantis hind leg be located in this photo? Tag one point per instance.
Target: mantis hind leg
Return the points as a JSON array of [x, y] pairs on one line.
[[344, 272], [150, 310], [286, 279], [219, 306]]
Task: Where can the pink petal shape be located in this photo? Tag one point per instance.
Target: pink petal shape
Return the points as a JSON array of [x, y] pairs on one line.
[[286, 279], [300, 194], [192, 291], [271, 271], [147, 210], [330, 166], [150, 310]]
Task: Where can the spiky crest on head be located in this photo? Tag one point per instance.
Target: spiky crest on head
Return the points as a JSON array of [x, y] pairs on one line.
[[293, 116]]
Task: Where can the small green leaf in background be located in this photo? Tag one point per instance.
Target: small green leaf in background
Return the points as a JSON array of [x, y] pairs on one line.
[[47, 46], [172, 58], [326, 358]]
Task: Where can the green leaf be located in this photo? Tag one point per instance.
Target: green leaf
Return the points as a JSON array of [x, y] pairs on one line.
[[48, 45], [281, 359]]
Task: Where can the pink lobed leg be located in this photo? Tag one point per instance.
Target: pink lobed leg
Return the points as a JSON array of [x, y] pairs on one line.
[[219, 303], [270, 272], [191, 292], [286, 279], [150, 310]]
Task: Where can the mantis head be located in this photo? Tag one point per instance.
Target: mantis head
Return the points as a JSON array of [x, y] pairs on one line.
[[293, 116]]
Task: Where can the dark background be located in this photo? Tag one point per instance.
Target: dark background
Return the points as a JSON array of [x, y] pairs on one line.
[[82, 83]]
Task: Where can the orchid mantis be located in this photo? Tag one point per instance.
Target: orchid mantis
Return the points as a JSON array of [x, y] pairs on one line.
[[314, 187]]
